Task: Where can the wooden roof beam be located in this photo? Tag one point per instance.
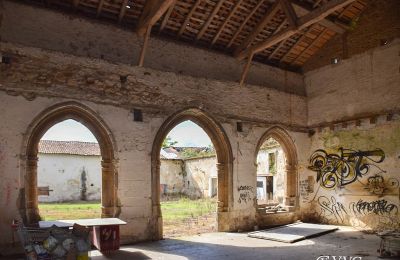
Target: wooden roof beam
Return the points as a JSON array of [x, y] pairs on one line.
[[289, 12], [122, 10], [210, 18], [75, 3], [187, 19], [309, 46], [152, 11], [231, 13], [99, 8], [271, 12], [244, 23], [166, 17], [334, 26], [303, 22]]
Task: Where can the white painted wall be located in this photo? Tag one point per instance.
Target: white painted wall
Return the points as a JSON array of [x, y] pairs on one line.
[[63, 174], [279, 184]]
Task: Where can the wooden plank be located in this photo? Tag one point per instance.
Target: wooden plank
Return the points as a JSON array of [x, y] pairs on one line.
[[99, 8], [303, 22], [152, 11], [187, 19], [309, 46], [210, 18], [289, 12], [246, 70], [166, 17], [280, 44], [336, 27], [231, 13], [271, 12], [144, 47], [244, 23], [122, 10]]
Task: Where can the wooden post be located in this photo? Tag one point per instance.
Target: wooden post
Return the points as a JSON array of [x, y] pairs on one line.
[[246, 69], [144, 47]]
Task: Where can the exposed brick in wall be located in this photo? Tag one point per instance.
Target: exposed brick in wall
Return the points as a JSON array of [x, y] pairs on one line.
[[380, 21], [35, 72], [72, 34]]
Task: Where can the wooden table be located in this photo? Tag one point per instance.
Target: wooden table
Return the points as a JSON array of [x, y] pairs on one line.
[[105, 231]]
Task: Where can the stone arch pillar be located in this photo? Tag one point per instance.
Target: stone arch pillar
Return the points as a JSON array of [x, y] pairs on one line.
[[224, 162], [40, 125]]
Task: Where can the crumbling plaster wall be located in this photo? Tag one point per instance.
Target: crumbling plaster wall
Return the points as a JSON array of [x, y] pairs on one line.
[[172, 176], [354, 105], [37, 79], [43, 28], [67, 174], [365, 84]]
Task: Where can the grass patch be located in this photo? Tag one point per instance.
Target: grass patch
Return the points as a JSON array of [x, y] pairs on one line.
[[185, 208], [70, 210], [172, 211]]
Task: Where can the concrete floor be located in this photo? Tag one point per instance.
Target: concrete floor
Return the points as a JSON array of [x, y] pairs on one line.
[[344, 242]]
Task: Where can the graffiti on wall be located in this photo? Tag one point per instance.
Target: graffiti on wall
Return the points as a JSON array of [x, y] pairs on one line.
[[382, 211], [338, 170], [246, 193]]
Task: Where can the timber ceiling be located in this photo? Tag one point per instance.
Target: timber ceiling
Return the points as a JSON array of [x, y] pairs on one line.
[[283, 33]]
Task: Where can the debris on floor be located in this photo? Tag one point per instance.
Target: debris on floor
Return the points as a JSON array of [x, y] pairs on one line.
[[293, 232]]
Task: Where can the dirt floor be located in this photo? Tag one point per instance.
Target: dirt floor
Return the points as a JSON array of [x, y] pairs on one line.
[[193, 226]]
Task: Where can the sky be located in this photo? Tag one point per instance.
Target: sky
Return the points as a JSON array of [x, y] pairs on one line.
[[186, 133], [69, 130]]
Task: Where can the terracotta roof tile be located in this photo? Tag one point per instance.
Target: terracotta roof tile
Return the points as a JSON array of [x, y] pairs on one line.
[[69, 147]]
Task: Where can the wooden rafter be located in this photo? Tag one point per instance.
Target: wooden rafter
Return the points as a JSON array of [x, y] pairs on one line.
[[311, 44], [122, 10], [245, 70], [303, 36], [210, 18], [144, 47], [231, 13], [303, 22], [99, 8], [281, 43], [152, 11], [344, 11], [289, 12], [187, 19], [75, 3], [334, 26], [244, 23], [260, 26], [166, 17]]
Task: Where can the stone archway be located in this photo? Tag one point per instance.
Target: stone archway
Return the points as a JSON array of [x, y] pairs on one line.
[[289, 149], [224, 164], [39, 126]]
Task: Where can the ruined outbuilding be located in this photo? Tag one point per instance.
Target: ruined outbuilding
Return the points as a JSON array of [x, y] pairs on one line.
[[320, 77]]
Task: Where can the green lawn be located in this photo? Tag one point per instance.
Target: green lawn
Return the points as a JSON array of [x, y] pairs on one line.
[[184, 208], [70, 210], [176, 210]]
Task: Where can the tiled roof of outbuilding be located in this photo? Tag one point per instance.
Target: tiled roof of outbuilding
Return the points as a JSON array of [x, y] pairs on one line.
[[69, 147]]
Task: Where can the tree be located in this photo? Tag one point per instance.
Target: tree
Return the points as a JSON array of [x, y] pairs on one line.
[[168, 142]]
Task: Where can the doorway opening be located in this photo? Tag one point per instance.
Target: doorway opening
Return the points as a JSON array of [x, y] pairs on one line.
[[188, 181], [276, 162], [69, 173], [218, 186]]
